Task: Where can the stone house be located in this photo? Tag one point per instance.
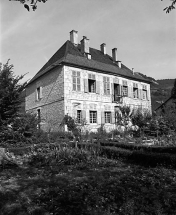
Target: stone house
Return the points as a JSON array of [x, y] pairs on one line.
[[85, 83]]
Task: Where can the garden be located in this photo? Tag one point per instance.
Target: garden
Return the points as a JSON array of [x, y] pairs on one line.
[[129, 172]]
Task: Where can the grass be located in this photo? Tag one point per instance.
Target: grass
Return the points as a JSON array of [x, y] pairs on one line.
[[93, 185]]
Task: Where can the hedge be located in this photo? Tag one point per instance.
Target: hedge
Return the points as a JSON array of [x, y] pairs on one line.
[[148, 159], [133, 146]]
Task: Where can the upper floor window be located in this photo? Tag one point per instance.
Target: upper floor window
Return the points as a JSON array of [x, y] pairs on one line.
[[135, 90], [76, 81], [124, 88], [144, 92], [38, 93], [106, 84], [91, 83]]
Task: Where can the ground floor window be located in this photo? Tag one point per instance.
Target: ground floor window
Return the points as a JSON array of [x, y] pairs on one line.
[[93, 116], [107, 117], [79, 116]]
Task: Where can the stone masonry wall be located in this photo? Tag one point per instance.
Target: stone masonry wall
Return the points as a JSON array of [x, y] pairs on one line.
[[51, 104]]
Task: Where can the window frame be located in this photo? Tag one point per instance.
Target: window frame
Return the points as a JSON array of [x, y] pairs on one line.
[[92, 117], [91, 84], [107, 116], [79, 116]]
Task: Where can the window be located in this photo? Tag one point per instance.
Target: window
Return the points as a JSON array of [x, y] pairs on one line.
[[144, 92], [38, 93], [76, 81], [79, 116], [93, 116], [108, 117], [124, 88], [135, 91], [39, 118], [91, 83], [106, 84]]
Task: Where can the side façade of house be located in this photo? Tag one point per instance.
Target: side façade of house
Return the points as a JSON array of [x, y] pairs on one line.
[[85, 83]]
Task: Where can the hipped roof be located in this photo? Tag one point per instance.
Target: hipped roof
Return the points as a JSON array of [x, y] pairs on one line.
[[69, 54]]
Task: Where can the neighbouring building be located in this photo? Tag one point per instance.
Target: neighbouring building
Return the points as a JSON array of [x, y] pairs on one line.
[[86, 84]]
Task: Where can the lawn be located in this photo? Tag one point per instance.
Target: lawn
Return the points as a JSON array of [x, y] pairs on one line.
[[96, 185]]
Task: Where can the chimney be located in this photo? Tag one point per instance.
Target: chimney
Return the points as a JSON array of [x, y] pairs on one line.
[[85, 45], [74, 37], [119, 63], [103, 48], [114, 54], [133, 71]]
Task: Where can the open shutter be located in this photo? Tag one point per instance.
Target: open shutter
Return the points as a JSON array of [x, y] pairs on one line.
[[140, 93], [97, 87], [86, 85], [41, 95], [102, 117], [83, 115], [112, 88], [148, 95], [112, 117]]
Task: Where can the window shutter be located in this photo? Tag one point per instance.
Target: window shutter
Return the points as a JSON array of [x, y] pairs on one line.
[[112, 117], [74, 112], [140, 93], [102, 117], [97, 87], [129, 92], [120, 90], [41, 95], [86, 85], [36, 95], [83, 114], [112, 88], [148, 95]]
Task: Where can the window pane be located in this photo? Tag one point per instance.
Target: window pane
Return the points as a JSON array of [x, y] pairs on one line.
[[78, 74], [73, 73], [78, 80], [74, 87], [78, 87], [74, 80]]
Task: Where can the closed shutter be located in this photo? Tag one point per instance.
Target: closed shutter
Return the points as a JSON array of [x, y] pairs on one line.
[[86, 85], [97, 87], [102, 117]]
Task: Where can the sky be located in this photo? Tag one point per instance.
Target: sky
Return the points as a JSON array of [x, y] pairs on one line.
[[144, 35]]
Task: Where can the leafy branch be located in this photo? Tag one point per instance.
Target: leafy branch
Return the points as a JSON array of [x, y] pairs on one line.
[[30, 3], [171, 7]]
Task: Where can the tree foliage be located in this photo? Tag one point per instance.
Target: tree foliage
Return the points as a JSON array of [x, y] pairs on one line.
[[170, 7], [10, 91], [173, 91], [30, 3]]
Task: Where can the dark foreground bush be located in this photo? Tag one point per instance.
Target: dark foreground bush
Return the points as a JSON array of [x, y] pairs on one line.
[[148, 159], [133, 146]]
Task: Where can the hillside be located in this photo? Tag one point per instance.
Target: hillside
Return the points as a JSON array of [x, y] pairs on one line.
[[160, 90]]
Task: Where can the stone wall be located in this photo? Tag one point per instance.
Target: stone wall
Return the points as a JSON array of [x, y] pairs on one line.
[[75, 100], [51, 103]]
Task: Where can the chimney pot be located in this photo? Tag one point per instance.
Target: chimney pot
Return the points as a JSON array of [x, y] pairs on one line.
[[114, 54], [74, 37], [103, 48]]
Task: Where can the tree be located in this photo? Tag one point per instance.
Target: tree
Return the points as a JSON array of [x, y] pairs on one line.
[[10, 91], [30, 3], [170, 7], [173, 91]]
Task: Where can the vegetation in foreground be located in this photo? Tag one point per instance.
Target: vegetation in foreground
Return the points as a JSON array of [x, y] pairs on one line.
[[66, 180]]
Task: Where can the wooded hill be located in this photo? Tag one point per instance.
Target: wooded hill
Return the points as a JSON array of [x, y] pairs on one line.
[[160, 90]]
